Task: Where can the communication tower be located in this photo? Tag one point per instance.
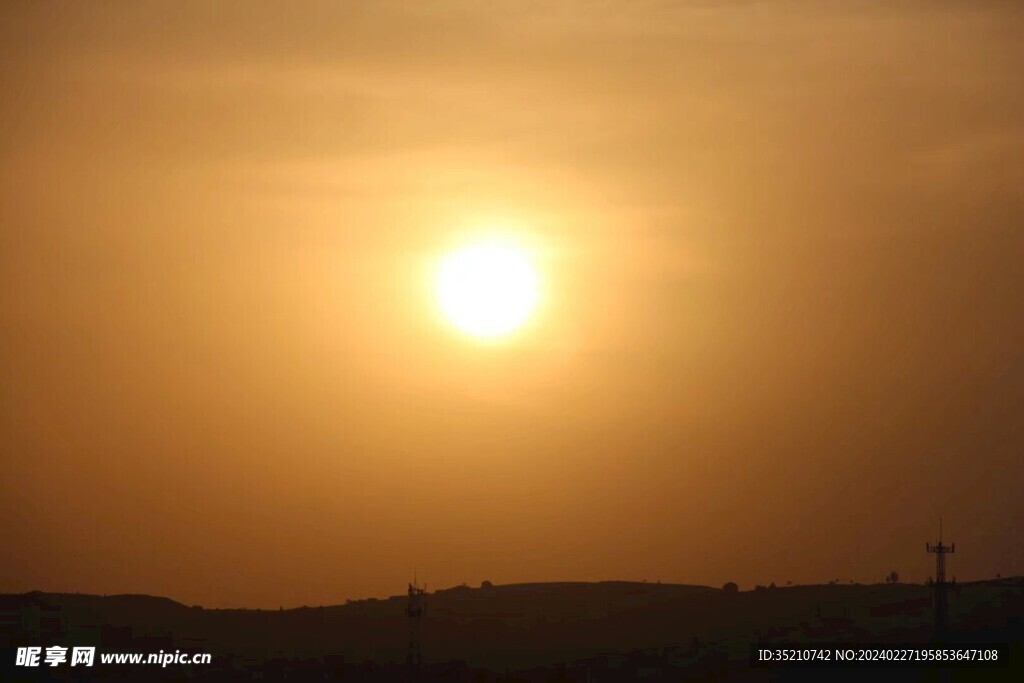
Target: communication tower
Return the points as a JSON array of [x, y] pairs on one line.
[[941, 603], [414, 610]]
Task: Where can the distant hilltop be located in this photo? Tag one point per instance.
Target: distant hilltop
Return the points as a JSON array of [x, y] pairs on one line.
[[533, 594], [518, 626]]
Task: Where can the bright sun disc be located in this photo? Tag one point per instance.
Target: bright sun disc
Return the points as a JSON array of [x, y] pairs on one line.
[[487, 289]]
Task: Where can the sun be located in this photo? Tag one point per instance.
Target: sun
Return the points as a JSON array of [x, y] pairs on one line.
[[488, 288]]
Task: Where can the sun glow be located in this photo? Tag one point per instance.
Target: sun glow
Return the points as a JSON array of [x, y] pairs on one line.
[[487, 288]]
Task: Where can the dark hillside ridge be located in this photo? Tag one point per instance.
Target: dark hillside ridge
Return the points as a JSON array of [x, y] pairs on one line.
[[519, 627]]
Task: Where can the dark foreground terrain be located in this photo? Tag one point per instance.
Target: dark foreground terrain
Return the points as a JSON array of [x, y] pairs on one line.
[[611, 631]]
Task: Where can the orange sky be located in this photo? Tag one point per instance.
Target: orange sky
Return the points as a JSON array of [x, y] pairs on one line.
[[781, 329]]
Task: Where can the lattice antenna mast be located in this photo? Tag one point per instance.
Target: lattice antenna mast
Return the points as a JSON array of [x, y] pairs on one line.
[[941, 604], [940, 551], [414, 609]]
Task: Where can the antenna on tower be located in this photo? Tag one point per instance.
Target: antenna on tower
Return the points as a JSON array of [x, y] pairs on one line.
[[941, 605], [414, 609]]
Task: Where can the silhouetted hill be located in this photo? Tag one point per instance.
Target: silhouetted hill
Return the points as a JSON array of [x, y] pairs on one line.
[[524, 628]]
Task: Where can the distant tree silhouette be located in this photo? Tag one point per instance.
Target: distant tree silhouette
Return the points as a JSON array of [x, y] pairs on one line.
[[893, 577], [486, 584], [730, 587], [771, 585]]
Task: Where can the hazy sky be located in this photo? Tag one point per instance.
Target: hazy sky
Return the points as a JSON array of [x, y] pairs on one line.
[[782, 321]]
